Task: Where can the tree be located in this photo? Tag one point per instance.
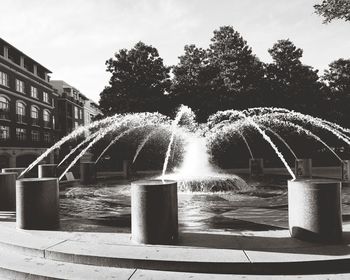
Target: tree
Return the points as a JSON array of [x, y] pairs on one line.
[[139, 81], [192, 83], [292, 84], [333, 9], [239, 70], [224, 76], [337, 78]]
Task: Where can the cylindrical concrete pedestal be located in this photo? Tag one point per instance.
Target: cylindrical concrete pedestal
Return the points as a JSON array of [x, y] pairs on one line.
[[256, 166], [314, 210], [17, 170], [8, 191], [126, 169], [47, 171], [88, 172], [37, 203], [154, 212], [345, 170], [303, 168], [345, 173]]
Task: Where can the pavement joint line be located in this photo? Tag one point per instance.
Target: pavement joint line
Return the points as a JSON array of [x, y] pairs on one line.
[[132, 274], [51, 246], [245, 253]]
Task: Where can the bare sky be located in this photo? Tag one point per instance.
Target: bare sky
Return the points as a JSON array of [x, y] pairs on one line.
[[74, 38]]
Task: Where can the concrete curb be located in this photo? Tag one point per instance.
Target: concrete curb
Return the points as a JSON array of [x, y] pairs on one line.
[[60, 246]]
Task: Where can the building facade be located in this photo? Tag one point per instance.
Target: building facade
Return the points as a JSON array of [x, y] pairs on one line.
[[74, 109], [27, 108], [91, 110], [70, 107]]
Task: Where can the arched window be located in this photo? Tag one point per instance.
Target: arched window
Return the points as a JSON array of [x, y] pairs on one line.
[[4, 108], [34, 114], [21, 111], [47, 118]]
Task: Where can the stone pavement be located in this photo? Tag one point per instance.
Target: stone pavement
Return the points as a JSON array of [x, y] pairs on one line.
[[198, 255]]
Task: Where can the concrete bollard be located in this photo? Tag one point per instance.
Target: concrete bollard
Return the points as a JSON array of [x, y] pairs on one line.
[[314, 210], [127, 169], [154, 212], [345, 170], [256, 167], [37, 203], [303, 168], [47, 171], [88, 172], [8, 191], [17, 170]]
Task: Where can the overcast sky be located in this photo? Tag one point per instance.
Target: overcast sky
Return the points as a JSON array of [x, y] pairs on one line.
[[74, 38]]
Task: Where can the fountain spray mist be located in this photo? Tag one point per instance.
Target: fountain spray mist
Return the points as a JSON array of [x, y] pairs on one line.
[[183, 110]]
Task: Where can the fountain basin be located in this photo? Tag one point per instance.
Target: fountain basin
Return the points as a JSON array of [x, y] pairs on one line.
[[314, 210], [154, 212]]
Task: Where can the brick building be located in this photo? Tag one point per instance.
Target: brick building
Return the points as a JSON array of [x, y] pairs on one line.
[[70, 106], [74, 109], [27, 108]]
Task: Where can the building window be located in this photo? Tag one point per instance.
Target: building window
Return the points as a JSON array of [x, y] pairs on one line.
[[47, 118], [76, 112], [21, 134], [4, 79], [34, 92], [46, 97], [4, 132], [4, 108], [21, 112], [76, 124], [34, 114], [80, 114], [19, 86], [35, 136], [47, 137], [75, 94]]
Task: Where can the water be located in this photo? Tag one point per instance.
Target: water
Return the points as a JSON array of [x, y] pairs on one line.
[[108, 208], [182, 111], [196, 165], [196, 174]]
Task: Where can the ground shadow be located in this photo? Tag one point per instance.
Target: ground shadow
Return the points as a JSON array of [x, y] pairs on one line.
[[278, 244]]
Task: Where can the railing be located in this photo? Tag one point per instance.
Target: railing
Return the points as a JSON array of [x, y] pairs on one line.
[[21, 118], [4, 138], [35, 121], [47, 124], [21, 137], [4, 114], [4, 111], [71, 98]]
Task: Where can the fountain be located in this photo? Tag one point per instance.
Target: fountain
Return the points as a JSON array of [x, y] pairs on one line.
[[196, 173]]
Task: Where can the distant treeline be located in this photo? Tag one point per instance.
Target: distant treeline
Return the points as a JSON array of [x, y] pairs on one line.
[[226, 75]]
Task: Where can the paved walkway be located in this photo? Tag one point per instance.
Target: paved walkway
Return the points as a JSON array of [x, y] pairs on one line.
[[96, 255]]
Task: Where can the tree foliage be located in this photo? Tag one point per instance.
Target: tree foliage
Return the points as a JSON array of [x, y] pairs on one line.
[[337, 79], [333, 9], [138, 83], [218, 77], [225, 75], [291, 84], [338, 76]]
